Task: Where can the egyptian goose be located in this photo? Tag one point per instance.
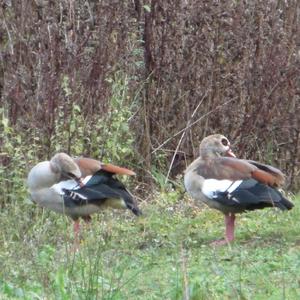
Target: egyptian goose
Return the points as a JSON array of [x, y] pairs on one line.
[[78, 187], [232, 185]]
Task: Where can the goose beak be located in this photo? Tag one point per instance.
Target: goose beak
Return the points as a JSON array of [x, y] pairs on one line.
[[79, 181], [230, 153]]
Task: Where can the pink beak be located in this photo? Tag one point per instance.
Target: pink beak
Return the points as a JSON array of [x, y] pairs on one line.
[[79, 181], [230, 153]]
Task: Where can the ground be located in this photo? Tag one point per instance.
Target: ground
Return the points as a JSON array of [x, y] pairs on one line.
[[166, 254]]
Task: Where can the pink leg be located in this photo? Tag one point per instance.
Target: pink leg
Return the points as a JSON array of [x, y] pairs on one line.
[[76, 228], [229, 231], [229, 223]]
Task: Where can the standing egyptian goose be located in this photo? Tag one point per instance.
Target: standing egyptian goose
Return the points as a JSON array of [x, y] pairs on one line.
[[78, 187], [232, 185]]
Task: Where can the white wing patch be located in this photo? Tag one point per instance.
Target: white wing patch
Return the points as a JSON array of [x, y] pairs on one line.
[[212, 186], [77, 196], [86, 179], [69, 185]]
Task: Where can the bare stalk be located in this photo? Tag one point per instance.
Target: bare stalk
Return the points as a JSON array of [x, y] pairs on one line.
[[184, 130], [182, 136]]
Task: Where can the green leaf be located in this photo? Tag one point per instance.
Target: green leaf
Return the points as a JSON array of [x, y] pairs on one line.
[[147, 8]]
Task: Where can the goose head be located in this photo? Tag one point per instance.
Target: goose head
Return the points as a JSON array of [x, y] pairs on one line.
[[65, 167], [215, 145]]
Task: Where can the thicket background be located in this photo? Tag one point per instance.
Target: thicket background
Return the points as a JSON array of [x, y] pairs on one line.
[[120, 80]]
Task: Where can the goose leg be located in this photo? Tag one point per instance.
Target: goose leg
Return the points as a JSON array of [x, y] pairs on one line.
[[229, 224], [76, 228], [229, 231]]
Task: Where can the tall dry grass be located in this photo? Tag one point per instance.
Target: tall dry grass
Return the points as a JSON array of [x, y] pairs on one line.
[[239, 60]]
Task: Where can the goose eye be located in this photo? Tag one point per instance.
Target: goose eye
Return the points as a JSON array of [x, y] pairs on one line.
[[71, 175], [224, 142]]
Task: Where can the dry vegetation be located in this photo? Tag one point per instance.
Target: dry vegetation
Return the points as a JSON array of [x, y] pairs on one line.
[[231, 67], [139, 83]]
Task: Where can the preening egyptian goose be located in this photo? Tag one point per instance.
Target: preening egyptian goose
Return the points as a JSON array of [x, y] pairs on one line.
[[232, 185], [79, 187]]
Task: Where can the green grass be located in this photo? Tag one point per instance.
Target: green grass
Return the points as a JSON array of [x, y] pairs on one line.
[[157, 256]]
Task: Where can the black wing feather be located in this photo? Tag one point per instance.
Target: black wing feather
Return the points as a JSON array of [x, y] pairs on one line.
[[102, 186], [251, 195]]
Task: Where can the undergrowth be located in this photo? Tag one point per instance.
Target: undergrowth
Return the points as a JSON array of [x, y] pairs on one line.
[[107, 137], [165, 254]]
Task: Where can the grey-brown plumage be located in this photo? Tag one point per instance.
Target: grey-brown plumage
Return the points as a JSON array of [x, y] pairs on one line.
[[101, 190], [232, 185], [58, 185]]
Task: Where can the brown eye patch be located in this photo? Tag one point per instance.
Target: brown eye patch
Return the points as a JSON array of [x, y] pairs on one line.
[[224, 142], [71, 175]]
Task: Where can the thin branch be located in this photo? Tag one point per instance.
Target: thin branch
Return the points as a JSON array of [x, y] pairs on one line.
[[8, 34], [183, 134], [192, 124]]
